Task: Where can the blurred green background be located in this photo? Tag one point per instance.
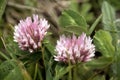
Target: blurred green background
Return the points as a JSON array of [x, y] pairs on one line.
[[51, 10]]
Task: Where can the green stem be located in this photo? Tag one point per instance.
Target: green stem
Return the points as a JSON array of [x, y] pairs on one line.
[[3, 55], [70, 71], [74, 73], [70, 75], [39, 74], [36, 69], [42, 49], [94, 25]]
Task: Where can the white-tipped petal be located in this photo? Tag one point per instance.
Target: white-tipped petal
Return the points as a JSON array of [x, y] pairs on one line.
[[74, 49], [29, 34]]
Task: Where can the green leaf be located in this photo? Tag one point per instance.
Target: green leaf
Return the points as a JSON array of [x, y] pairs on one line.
[[73, 29], [10, 70], [109, 20], [85, 11], [74, 5], [72, 18], [5, 68], [117, 23], [49, 75], [66, 20], [99, 63], [108, 16], [99, 77], [61, 71], [48, 70], [23, 71], [118, 61], [85, 8], [50, 48], [2, 7], [116, 64], [15, 74], [30, 68], [103, 43]]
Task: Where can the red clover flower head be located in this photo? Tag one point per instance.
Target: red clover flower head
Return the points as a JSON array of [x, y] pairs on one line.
[[30, 32], [74, 49]]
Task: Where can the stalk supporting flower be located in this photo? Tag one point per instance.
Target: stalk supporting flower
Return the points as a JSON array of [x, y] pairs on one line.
[[29, 33], [74, 49]]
